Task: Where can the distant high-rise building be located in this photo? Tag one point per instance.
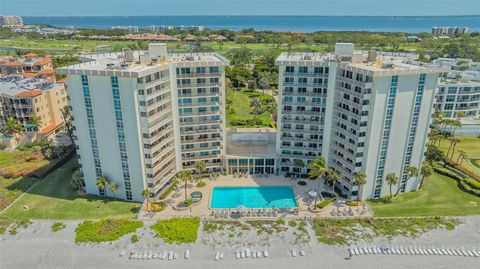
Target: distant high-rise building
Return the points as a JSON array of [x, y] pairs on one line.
[[11, 21], [448, 30], [129, 28], [142, 116], [362, 111]]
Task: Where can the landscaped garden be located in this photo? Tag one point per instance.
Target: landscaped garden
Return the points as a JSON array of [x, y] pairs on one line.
[[439, 196], [105, 230], [55, 198], [177, 230], [241, 112]]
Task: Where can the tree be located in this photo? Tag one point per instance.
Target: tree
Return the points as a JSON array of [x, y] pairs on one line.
[[257, 108], [425, 171], [102, 183], [412, 171], [334, 177], [461, 156], [433, 154], [185, 176], [114, 188], [299, 164], [360, 179], [200, 166], [12, 127], [454, 141], [317, 171], [35, 120], [67, 119], [77, 180], [391, 179], [146, 193]]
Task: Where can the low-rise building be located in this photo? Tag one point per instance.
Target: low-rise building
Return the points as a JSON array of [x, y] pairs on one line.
[[26, 65], [22, 97], [448, 30]]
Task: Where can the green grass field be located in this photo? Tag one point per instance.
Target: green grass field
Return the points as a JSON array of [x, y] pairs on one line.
[[242, 110], [471, 146], [54, 198], [440, 196]]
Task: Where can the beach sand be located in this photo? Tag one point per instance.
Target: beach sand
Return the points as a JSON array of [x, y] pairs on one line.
[[38, 247]]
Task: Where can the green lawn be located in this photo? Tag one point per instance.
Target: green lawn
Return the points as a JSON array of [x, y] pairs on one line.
[[470, 145], [440, 196], [54, 198], [242, 111]]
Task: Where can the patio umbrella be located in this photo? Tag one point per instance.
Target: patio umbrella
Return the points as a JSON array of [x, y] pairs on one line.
[[312, 194], [241, 208]]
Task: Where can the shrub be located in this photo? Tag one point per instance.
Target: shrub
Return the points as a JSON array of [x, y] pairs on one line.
[[201, 184], [134, 239], [280, 221], [292, 223], [177, 230], [167, 192], [105, 230], [186, 203], [2, 146], [472, 183], [158, 207], [58, 227], [352, 203], [37, 144], [326, 202], [302, 183]]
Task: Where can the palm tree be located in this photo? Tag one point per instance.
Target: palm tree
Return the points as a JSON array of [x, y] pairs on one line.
[[146, 193], [425, 171], [461, 156], [35, 120], [360, 179], [298, 164], [77, 179], [12, 127], [317, 171], [391, 179], [454, 141], [200, 166], [114, 188], [67, 119], [102, 183], [185, 176], [334, 177], [412, 171]]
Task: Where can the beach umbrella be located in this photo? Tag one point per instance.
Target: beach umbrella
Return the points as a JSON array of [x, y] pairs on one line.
[[241, 208], [312, 194]]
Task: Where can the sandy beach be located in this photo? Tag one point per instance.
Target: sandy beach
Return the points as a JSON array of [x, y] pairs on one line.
[[38, 247]]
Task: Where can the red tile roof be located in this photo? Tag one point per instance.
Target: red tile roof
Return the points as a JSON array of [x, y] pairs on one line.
[[31, 93], [48, 129]]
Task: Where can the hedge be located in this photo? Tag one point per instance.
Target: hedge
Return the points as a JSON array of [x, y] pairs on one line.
[[460, 181], [326, 202], [472, 183]]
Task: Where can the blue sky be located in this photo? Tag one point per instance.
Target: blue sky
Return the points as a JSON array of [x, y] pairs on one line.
[[238, 7]]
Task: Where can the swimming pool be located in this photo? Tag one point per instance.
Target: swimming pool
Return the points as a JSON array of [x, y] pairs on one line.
[[253, 197]]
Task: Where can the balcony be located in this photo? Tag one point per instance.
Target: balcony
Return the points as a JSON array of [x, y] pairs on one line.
[[299, 74], [199, 75], [193, 123]]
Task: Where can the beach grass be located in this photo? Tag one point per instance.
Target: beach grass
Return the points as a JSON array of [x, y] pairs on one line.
[[439, 196], [345, 231], [177, 230], [105, 230], [54, 198]]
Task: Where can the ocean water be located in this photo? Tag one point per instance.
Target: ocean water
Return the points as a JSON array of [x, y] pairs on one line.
[[410, 24]]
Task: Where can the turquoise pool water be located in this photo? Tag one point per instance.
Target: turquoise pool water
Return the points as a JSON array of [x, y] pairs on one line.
[[253, 197]]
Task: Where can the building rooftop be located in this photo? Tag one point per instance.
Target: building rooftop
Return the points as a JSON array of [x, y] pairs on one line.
[[135, 63], [30, 59], [18, 85], [251, 142]]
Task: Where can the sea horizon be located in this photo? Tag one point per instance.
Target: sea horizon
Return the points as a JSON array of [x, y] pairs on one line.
[[308, 23]]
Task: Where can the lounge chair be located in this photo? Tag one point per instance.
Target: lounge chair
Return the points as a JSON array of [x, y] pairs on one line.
[[294, 253], [355, 249], [374, 249], [265, 253], [154, 256], [170, 255], [259, 254], [221, 255], [254, 254], [217, 256], [450, 253], [242, 254], [187, 254], [237, 255], [247, 253], [175, 256], [302, 253]]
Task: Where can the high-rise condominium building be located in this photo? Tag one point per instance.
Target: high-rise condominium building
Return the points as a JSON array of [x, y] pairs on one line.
[[11, 21], [362, 111], [458, 94], [142, 116]]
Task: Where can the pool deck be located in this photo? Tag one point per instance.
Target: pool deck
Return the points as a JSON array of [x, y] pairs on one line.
[[202, 209]]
